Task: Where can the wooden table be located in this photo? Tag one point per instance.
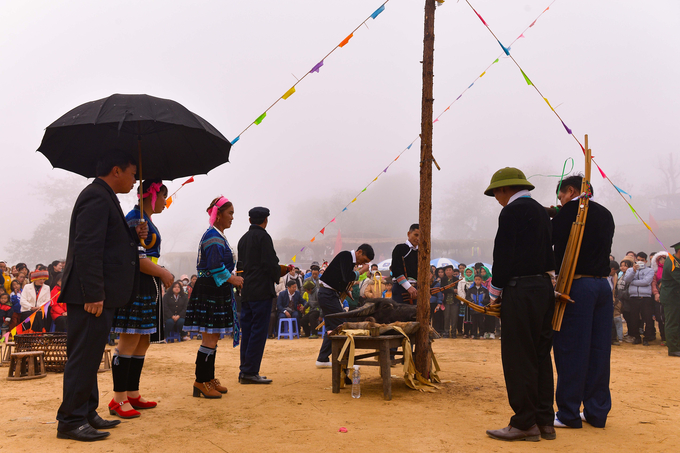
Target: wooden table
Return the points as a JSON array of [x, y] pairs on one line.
[[381, 346]]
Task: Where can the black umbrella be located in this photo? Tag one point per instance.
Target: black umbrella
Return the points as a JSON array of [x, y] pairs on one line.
[[172, 141]]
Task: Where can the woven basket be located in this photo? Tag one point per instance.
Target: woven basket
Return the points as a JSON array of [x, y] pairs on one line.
[[53, 344]]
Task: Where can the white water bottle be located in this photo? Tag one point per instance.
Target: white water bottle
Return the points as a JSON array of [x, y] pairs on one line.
[[356, 378]]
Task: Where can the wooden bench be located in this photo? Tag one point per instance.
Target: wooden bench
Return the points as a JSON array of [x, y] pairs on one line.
[[7, 353], [380, 345], [26, 365]]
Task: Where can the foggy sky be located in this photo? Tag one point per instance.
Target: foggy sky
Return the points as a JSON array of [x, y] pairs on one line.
[[609, 67]]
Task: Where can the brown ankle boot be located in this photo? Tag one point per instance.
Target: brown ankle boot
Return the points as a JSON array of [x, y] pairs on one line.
[[206, 389], [219, 387]]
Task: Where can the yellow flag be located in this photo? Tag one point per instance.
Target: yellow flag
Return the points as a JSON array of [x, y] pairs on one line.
[[354, 200], [482, 74], [293, 258], [548, 102], [288, 93]]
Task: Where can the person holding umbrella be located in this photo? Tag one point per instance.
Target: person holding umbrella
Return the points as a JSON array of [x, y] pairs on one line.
[[136, 322], [100, 275], [211, 310]]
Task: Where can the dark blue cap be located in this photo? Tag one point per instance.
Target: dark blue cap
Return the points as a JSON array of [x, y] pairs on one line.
[[258, 213]]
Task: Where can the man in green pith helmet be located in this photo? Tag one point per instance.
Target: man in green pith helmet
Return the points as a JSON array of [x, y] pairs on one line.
[[522, 262], [670, 299]]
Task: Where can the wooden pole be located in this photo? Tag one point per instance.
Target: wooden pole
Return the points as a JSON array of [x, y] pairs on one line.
[[423, 351]]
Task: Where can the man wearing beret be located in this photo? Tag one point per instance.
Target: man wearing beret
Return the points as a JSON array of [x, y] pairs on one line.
[[261, 271], [522, 262], [670, 299]]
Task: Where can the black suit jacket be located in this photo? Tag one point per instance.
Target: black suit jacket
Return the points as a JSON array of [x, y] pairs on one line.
[[261, 269], [102, 262]]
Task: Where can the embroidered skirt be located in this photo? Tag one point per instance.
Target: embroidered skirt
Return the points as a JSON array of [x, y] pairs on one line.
[[141, 315], [211, 308]]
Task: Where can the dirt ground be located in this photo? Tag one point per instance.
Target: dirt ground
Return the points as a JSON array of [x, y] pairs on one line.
[[298, 412]]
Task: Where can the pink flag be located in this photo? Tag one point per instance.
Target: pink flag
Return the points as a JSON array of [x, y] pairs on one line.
[[333, 221], [338, 244]]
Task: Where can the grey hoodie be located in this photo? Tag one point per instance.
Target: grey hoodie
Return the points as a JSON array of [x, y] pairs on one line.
[[640, 282]]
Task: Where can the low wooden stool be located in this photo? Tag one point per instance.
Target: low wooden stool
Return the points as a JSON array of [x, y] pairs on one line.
[[32, 362], [7, 353], [105, 364]]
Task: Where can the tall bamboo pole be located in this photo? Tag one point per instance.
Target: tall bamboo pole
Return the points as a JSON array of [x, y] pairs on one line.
[[423, 351]]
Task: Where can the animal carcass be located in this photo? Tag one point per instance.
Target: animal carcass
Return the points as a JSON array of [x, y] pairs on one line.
[[381, 311]]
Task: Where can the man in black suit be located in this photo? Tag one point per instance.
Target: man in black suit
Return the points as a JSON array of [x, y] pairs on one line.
[[101, 271], [288, 302], [261, 271], [522, 262]]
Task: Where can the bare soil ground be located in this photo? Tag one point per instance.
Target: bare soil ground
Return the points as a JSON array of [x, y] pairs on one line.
[[298, 412]]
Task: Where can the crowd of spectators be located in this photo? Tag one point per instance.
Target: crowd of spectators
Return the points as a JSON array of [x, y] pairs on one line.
[[634, 280]]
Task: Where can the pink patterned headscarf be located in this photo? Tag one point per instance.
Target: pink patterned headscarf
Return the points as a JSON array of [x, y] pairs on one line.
[[153, 191], [216, 207]]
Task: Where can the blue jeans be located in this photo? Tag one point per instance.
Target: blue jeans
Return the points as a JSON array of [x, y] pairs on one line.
[[582, 350], [174, 326]]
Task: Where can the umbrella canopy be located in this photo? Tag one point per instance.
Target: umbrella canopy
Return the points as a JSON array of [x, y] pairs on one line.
[[384, 265], [173, 141], [441, 262]]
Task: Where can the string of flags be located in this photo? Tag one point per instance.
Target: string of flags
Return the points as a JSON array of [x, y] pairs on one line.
[[333, 220], [315, 69], [291, 90], [569, 131]]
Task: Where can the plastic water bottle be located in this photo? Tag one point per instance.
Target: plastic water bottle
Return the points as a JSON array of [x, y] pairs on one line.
[[356, 378]]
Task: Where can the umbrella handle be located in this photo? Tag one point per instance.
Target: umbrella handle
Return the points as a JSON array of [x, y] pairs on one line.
[[150, 244]]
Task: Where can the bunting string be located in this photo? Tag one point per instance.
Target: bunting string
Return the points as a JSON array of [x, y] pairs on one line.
[[315, 69], [521, 35], [569, 131]]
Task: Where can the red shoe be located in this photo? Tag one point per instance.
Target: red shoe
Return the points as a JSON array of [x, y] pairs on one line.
[[141, 405], [115, 409]]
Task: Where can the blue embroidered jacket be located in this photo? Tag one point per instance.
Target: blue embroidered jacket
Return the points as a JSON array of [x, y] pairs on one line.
[[132, 218], [215, 257]]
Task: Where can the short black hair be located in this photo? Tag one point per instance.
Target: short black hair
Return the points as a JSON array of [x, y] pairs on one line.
[[413, 227], [642, 254], [614, 265], [629, 252], [291, 283], [462, 264], [114, 158], [575, 181], [374, 265], [367, 250], [20, 266]]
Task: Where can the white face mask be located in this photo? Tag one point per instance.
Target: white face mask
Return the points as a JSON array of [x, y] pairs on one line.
[[641, 264]]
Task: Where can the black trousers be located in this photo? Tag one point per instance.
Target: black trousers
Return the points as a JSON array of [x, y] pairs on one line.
[[310, 321], [61, 324], [641, 313], [526, 314], [254, 325], [329, 303], [85, 342], [477, 324]]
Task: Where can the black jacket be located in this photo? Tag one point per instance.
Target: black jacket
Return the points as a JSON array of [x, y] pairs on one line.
[[172, 306], [523, 243], [593, 259], [102, 261], [404, 261], [261, 269], [340, 272]]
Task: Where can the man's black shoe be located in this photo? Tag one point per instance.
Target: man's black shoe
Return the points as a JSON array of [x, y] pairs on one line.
[[256, 379], [99, 423], [637, 341], [85, 433], [645, 343], [674, 354]]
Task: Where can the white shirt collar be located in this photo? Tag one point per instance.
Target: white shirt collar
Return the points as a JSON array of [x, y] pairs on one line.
[[411, 245], [520, 194], [354, 256]]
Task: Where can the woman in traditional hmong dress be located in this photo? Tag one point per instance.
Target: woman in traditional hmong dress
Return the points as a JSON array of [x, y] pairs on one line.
[[212, 307], [136, 321]]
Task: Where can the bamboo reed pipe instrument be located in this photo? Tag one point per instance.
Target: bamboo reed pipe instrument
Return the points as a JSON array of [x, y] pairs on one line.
[[568, 268]]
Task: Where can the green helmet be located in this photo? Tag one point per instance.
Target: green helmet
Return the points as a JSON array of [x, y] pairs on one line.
[[508, 176]]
